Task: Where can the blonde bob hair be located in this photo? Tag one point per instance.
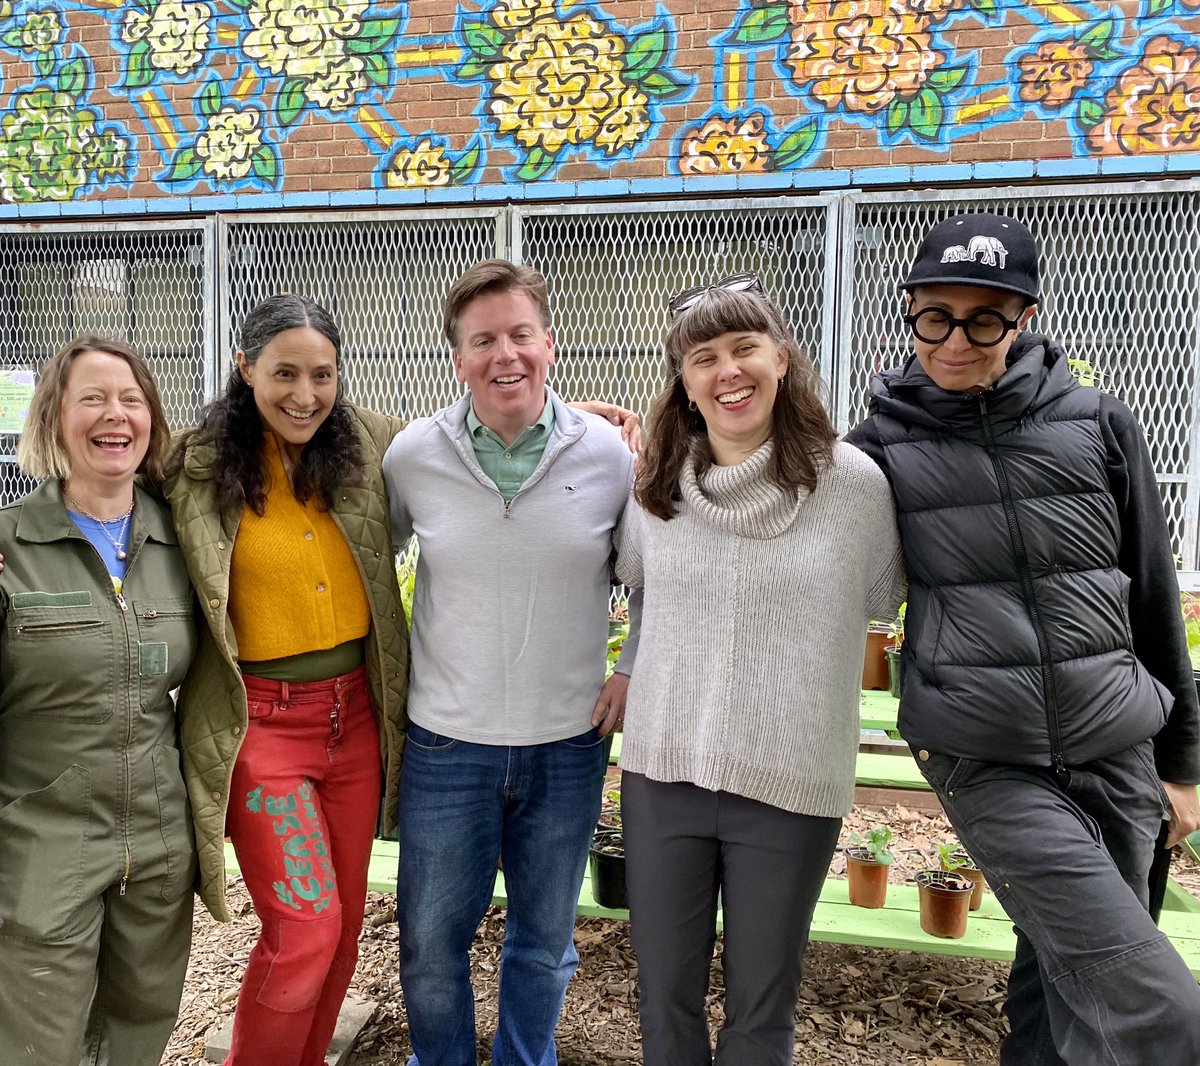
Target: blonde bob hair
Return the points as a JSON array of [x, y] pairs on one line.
[[40, 450]]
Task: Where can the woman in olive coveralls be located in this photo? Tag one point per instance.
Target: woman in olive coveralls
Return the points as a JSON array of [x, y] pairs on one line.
[[97, 626]]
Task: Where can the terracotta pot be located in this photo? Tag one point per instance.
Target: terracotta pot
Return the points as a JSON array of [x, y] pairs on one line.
[[875, 667], [868, 879], [945, 899], [895, 669], [969, 870]]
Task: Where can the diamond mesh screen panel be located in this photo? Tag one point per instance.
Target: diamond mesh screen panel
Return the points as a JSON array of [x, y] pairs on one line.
[[612, 270], [382, 278], [146, 283], [1121, 289]]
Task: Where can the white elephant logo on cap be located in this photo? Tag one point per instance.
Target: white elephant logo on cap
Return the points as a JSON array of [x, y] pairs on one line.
[[989, 251]]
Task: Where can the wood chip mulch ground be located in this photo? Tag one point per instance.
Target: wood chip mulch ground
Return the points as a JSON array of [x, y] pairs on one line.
[[858, 1005]]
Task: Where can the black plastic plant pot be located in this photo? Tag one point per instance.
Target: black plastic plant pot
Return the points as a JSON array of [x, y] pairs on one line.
[[606, 864]]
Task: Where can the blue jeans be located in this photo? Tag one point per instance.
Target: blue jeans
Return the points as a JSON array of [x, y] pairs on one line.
[[462, 807], [1094, 982]]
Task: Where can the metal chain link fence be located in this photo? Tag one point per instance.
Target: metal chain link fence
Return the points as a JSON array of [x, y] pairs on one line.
[[1121, 276], [147, 283]]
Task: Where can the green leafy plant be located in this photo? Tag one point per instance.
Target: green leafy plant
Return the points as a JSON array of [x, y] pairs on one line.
[[1190, 603], [952, 857], [618, 633], [406, 574], [875, 844]]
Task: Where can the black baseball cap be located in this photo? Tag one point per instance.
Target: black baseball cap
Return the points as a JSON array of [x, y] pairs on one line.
[[994, 251]]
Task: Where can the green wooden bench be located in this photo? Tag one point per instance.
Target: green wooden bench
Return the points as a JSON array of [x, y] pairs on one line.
[[896, 926]]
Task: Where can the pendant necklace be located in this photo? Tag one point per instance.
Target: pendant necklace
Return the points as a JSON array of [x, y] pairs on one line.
[[104, 523]]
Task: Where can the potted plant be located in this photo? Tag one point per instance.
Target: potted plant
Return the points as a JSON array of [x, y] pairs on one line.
[[875, 664], [606, 857], [945, 899], [892, 651], [867, 862], [953, 858]]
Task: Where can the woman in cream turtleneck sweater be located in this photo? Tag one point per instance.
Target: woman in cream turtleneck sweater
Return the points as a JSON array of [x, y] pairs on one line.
[[763, 545]]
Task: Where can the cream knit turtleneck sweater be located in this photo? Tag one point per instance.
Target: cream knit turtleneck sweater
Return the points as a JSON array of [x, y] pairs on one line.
[[756, 607]]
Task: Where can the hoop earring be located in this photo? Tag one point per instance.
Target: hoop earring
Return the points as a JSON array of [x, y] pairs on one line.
[[691, 405]]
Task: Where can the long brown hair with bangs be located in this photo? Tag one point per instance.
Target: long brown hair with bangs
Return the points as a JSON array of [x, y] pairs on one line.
[[801, 429]]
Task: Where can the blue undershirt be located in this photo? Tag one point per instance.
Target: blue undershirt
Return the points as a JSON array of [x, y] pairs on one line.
[[90, 528]]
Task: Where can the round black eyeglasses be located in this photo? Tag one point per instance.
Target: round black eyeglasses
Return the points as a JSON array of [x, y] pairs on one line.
[[984, 328]]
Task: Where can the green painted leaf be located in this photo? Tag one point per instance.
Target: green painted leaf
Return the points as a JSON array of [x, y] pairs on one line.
[[473, 67], [645, 53], [265, 165], [289, 101], [45, 64], [377, 69], [242, 5], [72, 77], [897, 116], [1091, 113], [537, 164], [947, 78], [484, 40], [795, 144], [659, 83], [138, 72], [762, 25], [1098, 34], [12, 37], [984, 7], [1154, 8], [210, 98], [926, 114], [464, 167], [185, 166], [375, 36]]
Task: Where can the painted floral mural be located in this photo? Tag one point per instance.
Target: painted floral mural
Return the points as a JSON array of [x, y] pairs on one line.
[[558, 82], [279, 96]]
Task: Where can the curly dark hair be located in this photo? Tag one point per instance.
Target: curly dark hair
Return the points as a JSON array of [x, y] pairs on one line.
[[331, 459], [802, 432]]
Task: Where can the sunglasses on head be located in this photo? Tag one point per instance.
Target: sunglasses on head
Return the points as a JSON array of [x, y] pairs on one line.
[[681, 301]]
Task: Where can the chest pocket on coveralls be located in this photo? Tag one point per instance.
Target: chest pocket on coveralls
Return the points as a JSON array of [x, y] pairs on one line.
[[64, 645]]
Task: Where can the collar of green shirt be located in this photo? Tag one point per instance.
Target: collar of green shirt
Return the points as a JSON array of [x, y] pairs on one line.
[[510, 465]]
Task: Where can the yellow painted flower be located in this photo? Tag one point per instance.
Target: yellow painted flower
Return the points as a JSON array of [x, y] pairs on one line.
[[422, 166], [1155, 105], [176, 30], [225, 148], [41, 32], [339, 85], [1055, 73], [727, 146], [560, 83], [509, 14], [50, 149], [860, 55], [307, 41]]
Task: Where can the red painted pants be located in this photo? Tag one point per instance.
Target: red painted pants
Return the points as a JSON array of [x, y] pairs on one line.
[[302, 816]]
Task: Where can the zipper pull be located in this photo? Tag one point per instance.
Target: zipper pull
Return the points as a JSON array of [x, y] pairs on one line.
[[121, 601], [118, 585]]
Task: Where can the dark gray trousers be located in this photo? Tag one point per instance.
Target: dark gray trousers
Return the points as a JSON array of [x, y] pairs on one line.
[[683, 845], [1094, 982]]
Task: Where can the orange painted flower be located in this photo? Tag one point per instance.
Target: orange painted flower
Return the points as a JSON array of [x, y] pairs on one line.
[[1055, 73], [1155, 105], [860, 55], [727, 146]]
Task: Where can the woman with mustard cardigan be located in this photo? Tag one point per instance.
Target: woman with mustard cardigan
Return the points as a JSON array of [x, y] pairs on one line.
[[293, 714]]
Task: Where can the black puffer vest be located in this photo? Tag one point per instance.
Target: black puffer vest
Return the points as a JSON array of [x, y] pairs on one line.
[[1018, 646]]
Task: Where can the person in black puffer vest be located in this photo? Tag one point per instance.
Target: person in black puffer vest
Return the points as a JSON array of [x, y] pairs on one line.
[[1047, 691]]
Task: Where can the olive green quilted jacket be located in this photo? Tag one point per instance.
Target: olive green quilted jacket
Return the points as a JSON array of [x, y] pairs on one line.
[[212, 699]]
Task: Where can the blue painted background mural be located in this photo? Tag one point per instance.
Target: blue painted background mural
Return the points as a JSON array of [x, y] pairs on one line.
[[146, 99]]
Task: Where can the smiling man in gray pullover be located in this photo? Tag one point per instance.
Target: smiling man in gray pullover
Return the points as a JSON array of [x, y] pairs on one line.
[[514, 498]]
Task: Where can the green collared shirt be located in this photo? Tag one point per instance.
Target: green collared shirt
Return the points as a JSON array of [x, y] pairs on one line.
[[510, 465]]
